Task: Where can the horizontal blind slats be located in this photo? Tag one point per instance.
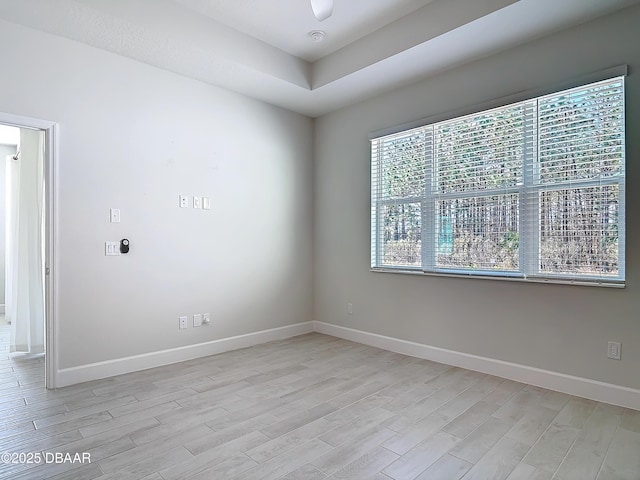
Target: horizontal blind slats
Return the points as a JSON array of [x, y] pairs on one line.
[[531, 188]]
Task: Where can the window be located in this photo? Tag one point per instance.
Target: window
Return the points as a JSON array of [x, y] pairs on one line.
[[533, 190]]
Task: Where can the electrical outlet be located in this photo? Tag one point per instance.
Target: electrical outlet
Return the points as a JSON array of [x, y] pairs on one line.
[[350, 308], [184, 201], [206, 319], [197, 320], [614, 350], [182, 323]]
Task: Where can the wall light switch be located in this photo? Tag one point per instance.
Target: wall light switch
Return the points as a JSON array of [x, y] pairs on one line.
[[184, 201], [197, 320], [206, 319], [196, 202], [206, 203], [115, 215], [111, 248]]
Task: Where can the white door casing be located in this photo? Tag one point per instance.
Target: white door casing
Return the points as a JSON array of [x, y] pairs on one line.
[[50, 175]]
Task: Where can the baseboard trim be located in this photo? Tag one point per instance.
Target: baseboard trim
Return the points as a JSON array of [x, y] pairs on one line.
[[110, 368], [579, 386]]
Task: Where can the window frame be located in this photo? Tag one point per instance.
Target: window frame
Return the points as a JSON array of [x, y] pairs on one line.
[[528, 195]]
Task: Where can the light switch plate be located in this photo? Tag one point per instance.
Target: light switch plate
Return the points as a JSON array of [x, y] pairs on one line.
[[197, 320], [206, 203], [115, 215], [196, 202], [111, 248]]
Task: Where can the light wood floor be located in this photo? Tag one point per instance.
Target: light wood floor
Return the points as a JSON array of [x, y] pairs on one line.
[[307, 408]]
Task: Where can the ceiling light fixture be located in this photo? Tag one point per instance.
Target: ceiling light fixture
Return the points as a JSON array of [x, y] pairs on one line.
[[322, 9], [317, 35]]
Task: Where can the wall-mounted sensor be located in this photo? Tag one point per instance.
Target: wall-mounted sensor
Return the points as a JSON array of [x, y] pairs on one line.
[[124, 245]]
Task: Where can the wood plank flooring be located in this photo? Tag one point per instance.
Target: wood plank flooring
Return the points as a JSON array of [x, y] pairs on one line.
[[311, 407]]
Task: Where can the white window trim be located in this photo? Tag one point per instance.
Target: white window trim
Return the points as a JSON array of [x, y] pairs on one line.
[[617, 71], [428, 202]]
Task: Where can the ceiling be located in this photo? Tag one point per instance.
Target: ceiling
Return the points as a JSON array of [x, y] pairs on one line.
[[261, 48], [285, 24]]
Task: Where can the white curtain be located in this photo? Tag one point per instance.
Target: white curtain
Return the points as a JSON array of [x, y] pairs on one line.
[[24, 244]]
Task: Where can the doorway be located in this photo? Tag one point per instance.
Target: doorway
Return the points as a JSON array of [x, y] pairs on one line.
[[29, 287]]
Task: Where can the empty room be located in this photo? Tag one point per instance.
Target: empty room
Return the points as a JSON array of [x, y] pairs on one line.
[[320, 239]]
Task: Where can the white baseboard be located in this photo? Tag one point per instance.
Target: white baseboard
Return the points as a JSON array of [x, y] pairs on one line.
[[582, 387], [109, 368]]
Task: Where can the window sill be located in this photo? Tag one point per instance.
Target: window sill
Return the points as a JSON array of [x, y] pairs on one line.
[[505, 276]]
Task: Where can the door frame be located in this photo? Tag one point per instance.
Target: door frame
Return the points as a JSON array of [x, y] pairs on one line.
[[50, 130]]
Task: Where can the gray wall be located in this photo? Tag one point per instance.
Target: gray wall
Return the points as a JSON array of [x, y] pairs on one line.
[[4, 151], [554, 327], [135, 137]]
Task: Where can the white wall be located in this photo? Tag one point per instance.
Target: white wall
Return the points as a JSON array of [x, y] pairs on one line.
[[4, 151], [553, 327], [135, 137]]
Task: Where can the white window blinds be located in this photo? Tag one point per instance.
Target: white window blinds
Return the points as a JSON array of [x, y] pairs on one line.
[[532, 190]]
